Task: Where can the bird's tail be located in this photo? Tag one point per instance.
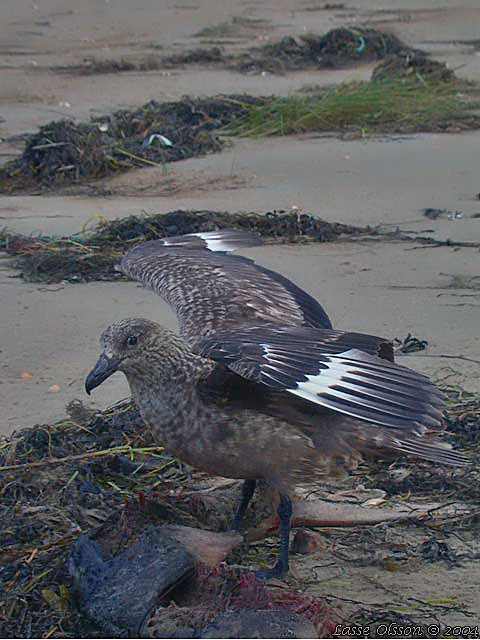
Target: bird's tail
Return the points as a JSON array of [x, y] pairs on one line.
[[435, 452], [378, 441]]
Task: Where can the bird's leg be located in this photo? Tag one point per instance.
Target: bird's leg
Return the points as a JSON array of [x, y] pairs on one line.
[[281, 566], [248, 489]]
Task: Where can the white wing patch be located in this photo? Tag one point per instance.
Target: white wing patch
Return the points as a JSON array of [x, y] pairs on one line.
[[225, 240], [363, 386], [216, 241]]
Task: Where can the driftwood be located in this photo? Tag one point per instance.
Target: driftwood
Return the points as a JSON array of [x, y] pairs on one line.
[[214, 507]]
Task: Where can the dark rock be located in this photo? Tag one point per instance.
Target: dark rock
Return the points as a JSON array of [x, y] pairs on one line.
[[117, 593], [270, 623]]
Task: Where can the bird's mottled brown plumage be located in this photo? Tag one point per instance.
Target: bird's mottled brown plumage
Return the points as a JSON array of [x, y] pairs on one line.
[[212, 290], [258, 385]]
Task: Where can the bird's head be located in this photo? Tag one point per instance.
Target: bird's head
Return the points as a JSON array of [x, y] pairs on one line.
[[134, 346]]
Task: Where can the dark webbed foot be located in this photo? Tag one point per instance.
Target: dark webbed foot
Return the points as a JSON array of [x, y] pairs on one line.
[[281, 566], [248, 490]]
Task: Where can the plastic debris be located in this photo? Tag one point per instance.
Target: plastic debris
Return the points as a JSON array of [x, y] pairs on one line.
[[157, 136], [455, 215], [361, 46], [433, 214]]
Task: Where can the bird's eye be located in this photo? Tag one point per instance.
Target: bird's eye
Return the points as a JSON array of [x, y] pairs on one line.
[[132, 341]]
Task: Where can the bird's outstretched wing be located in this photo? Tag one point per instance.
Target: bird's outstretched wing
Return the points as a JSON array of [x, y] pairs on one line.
[[211, 290], [350, 373], [311, 374]]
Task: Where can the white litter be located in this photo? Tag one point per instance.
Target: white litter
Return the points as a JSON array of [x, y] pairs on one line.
[[157, 136]]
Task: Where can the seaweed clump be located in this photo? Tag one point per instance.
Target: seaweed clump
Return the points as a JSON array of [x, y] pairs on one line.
[[64, 153], [93, 257], [405, 63], [409, 104], [211, 56], [57, 481], [336, 49]]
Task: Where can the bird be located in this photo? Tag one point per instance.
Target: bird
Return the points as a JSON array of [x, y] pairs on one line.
[[257, 384]]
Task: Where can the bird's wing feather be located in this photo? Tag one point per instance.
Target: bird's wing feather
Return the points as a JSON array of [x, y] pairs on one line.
[[349, 373], [211, 290]]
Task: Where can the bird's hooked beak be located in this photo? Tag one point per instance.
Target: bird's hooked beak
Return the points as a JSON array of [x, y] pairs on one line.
[[100, 372]]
